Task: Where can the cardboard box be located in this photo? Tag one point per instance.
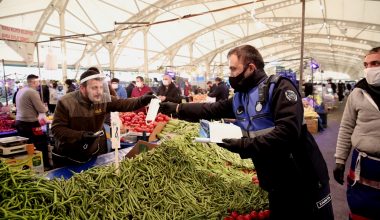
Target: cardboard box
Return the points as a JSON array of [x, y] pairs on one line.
[[26, 161], [156, 130], [140, 147], [312, 125]]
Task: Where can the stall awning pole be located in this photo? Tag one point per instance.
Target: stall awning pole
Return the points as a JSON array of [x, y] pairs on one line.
[[39, 71], [302, 45], [5, 84]]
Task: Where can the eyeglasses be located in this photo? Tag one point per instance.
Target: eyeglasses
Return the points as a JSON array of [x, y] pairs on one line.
[[372, 64]]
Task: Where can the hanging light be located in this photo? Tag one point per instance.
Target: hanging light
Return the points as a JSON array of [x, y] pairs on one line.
[[51, 60]]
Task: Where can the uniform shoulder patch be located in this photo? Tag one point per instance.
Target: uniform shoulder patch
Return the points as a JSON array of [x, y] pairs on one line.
[[291, 95]]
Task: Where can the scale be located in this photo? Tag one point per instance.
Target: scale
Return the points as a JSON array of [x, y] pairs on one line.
[[13, 145]]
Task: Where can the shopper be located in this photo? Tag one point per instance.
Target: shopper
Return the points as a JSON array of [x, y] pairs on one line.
[[78, 120], [210, 86], [332, 86], [221, 91], [120, 91], [341, 89], [19, 86], [53, 97], [31, 115], [288, 162], [45, 92], [70, 86], [309, 89], [360, 128], [187, 91], [130, 87], [140, 90], [168, 92]]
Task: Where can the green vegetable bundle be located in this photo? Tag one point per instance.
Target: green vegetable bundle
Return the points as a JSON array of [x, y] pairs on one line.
[[177, 180]]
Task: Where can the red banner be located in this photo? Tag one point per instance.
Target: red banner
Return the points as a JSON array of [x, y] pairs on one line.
[[16, 34]]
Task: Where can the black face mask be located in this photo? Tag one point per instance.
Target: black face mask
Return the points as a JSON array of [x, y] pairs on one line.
[[243, 84], [236, 81]]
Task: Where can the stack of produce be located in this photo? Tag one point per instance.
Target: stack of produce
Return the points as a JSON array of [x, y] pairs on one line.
[[136, 121], [7, 123], [199, 98], [177, 180]]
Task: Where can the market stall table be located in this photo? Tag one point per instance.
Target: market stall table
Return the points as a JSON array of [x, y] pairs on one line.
[[68, 171]]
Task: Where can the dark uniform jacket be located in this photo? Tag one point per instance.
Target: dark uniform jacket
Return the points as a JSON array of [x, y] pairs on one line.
[[270, 152], [172, 93], [75, 115]]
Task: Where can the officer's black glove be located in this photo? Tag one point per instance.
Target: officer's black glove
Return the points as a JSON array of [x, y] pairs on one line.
[[232, 144], [145, 99], [338, 173], [168, 108]]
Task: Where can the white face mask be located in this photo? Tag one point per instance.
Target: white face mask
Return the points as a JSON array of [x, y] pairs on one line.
[[115, 85], [372, 75], [165, 82], [139, 84]]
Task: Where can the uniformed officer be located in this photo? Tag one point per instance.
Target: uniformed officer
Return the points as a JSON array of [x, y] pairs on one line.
[[289, 164]]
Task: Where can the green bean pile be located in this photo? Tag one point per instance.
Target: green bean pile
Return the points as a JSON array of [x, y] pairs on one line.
[[177, 180]]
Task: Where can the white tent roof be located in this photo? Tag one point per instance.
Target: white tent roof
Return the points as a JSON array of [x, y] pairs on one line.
[[194, 35]]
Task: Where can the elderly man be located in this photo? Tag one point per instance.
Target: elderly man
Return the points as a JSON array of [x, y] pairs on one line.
[[31, 115], [79, 117], [168, 92]]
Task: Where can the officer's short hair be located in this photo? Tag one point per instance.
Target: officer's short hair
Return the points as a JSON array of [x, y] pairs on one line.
[[248, 54]]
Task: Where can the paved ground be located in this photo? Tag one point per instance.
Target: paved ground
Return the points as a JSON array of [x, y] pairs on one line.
[[327, 143]]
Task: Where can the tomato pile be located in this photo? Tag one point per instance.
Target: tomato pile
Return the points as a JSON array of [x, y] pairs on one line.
[[136, 121], [261, 215], [6, 123]]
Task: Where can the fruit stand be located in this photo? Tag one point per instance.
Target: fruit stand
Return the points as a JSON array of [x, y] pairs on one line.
[[7, 125]]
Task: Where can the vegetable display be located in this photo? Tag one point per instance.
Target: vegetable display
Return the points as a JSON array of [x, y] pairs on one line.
[[179, 179], [7, 123], [136, 121]]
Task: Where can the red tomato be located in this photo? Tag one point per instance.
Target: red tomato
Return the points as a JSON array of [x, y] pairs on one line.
[[140, 113], [240, 217], [228, 218], [253, 215], [234, 214], [261, 215], [266, 213], [159, 118], [247, 217], [167, 118], [127, 118]]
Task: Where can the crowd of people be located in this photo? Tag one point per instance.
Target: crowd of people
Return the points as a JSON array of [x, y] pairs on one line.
[[268, 109], [35, 100]]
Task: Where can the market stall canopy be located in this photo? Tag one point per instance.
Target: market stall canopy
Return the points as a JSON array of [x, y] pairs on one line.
[[189, 35]]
